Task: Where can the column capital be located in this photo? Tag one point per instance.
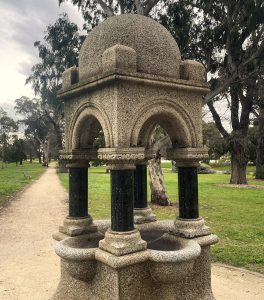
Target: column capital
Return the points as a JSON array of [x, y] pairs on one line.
[[122, 158], [72, 155], [187, 157]]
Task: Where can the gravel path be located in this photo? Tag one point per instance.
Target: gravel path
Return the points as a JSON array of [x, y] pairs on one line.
[[29, 268]]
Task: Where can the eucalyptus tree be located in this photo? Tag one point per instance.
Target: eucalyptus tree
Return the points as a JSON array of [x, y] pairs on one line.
[[7, 126], [58, 52], [227, 36], [94, 11], [37, 128]]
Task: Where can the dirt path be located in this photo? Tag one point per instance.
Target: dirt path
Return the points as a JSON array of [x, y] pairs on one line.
[[29, 268]]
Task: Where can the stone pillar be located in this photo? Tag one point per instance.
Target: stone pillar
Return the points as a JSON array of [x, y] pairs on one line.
[[122, 238], [188, 223], [142, 213], [78, 191], [122, 184], [78, 222], [188, 193]]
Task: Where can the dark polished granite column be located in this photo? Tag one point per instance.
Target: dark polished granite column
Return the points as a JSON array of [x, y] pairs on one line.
[[188, 192], [140, 186], [122, 199], [78, 192]]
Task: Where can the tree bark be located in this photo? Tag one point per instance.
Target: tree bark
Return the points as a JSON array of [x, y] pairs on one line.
[[157, 185], [239, 158], [39, 157], [260, 147]]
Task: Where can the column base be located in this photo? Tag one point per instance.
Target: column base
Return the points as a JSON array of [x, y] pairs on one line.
[[190, 228], [121, 243], [143, 215], [74, 227]]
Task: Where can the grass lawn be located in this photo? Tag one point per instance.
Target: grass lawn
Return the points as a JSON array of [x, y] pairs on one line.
[[12, 178], [250, 169], [235, 215]]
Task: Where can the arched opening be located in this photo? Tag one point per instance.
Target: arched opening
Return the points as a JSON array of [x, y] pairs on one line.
[[90, 131], [88, 134], [157, 133], [91, 134], [171, 117]]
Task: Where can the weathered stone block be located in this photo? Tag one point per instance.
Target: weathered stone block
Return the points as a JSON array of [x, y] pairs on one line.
[[69, 77], [119, 57], [192, 70]]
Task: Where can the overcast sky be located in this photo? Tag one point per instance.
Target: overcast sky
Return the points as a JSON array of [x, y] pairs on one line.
[[22, 22]]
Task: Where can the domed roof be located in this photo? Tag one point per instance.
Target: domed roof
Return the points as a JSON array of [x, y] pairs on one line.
[[157, 51]]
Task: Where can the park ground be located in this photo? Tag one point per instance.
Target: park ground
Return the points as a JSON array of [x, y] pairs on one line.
[[29, 269]]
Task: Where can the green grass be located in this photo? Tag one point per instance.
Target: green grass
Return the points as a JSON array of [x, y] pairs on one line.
[[12, 178], [250, 169], [235, 215]]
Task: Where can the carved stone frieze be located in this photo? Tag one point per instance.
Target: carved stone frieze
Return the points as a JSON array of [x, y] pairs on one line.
[[122, 158], [185, 157], [79, 154]]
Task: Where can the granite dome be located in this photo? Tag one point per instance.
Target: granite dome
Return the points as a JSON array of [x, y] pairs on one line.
[[157, 52]]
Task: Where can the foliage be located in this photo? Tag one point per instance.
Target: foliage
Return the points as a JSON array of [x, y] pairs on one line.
[[16, 151], [35, 121], [227, 38], [7, 126], [94, 11], [205, 169], [214, 141], [59, 51], [252, 143]]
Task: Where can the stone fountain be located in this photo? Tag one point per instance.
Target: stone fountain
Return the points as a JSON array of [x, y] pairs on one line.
[[131, 78]]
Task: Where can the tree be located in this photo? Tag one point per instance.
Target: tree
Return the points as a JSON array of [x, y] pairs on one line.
[[17, 153], [36, 124], [96, 10], [7, 126], [227, 37], [214, 141], [59, 51], [252, 143]]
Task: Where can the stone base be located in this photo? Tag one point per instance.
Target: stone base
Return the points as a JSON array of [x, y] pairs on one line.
[[121, 243], [95, 274], [75, 227], [144, 215], [190, 228]]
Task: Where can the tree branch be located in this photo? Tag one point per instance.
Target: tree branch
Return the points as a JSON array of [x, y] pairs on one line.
[[234, 107], [148, 5], [217, 120], [219, 89], [107, 9], [122, 6], [255, 55]]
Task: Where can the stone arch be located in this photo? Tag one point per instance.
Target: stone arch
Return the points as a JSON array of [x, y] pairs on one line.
[[85, 126], [171, 117]]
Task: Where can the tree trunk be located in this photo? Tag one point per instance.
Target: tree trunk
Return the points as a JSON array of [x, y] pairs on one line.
[[260, 147], [39, 157], [46, 152], [157, 185], [239, 158]]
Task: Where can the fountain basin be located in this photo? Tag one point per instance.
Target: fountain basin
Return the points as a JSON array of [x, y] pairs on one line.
[[78, 255], [172, 258]]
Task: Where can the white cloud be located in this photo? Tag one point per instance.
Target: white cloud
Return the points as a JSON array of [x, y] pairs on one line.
[[23, 22]]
